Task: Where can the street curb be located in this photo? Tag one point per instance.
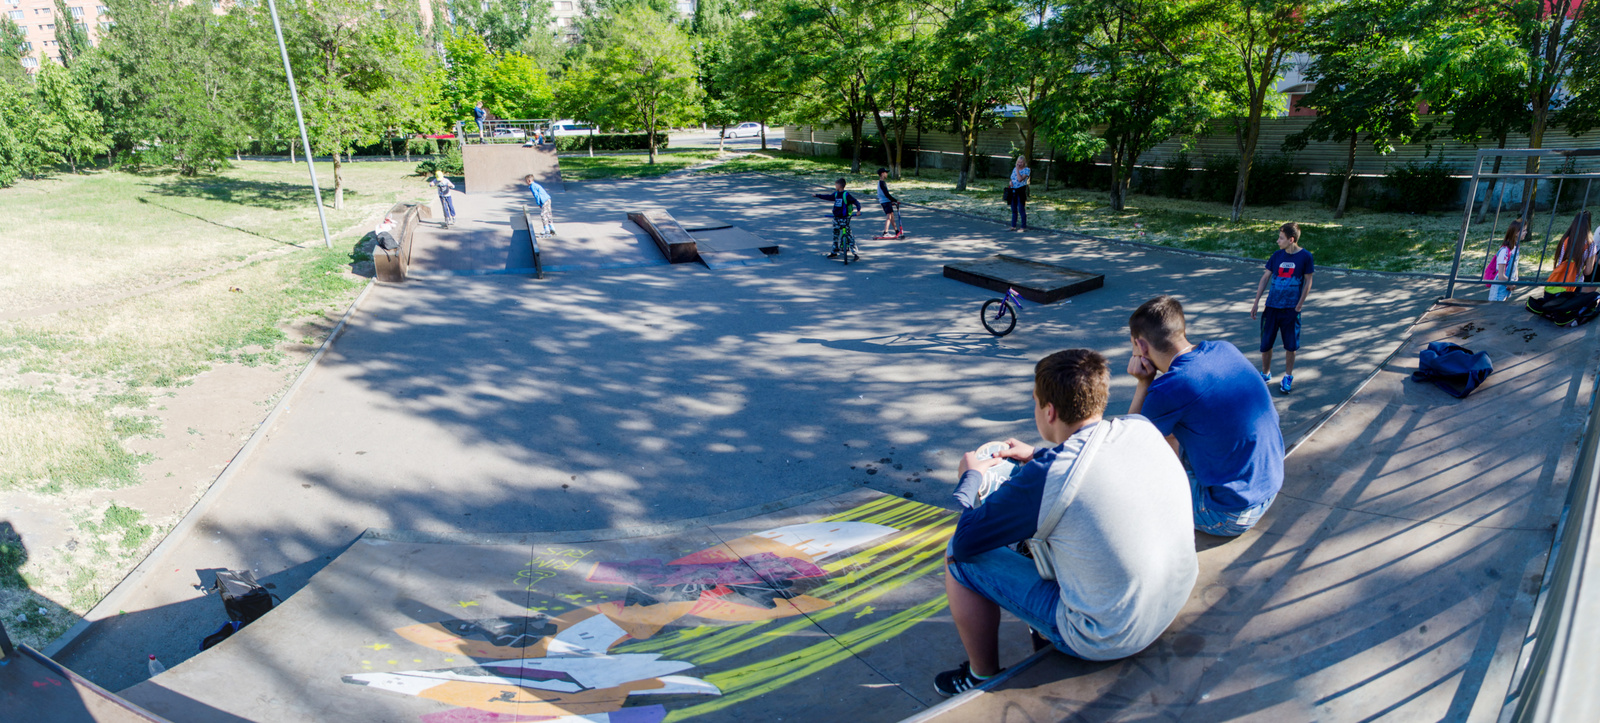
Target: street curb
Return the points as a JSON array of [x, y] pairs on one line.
[[1124, 242], [988, 685], [107, 607]]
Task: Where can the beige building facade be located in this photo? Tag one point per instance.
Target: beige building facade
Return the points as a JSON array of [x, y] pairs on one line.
[[38, 20]]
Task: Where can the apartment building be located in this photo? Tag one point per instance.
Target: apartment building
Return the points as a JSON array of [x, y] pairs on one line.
[[38, 20]]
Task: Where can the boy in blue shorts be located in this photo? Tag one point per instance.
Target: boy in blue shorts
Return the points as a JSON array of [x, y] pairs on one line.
[[1287, 282]]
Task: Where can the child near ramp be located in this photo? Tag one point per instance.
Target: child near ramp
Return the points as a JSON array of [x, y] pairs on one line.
[[444, 186], [842, 201], [541, 198], [1287, 283]]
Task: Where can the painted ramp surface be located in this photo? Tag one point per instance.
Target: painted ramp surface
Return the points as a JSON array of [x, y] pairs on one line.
[[823, 611], [35, 689]]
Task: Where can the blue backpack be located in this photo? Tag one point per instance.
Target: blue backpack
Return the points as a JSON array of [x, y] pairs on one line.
[[1451, 367]]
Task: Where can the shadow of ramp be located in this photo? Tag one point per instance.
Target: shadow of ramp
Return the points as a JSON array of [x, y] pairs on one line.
[[36, 689], [1395, 576]]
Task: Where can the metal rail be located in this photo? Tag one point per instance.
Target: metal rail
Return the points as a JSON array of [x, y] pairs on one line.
[[1530, 193]]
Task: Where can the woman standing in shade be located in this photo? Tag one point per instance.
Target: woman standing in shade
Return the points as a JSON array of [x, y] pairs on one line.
[[1017, 194]]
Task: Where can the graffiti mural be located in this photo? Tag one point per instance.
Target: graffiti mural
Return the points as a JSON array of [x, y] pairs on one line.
[[652, 636]]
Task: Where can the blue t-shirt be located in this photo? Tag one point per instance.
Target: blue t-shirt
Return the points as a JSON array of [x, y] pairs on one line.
[[540, 196], [1289, 272], [1213, 401]]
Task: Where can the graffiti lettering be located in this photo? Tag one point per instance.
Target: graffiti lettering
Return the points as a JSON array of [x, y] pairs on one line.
[[544, 564]]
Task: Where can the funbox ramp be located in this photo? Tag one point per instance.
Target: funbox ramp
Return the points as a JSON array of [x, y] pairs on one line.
[[36, 689], [827, 610], [500, 167]]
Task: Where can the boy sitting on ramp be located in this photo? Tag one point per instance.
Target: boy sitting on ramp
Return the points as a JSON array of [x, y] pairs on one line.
[[541, 198]]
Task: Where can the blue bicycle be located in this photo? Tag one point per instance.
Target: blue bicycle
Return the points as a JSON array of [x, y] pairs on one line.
[[999, 316]]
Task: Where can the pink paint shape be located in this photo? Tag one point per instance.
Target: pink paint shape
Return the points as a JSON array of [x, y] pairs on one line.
[[473, 715]]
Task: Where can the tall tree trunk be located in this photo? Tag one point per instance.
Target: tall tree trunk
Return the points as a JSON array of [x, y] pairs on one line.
[[722, 137], [1349, 170], [763, 123], [1118, 199], [883, 133], [291, 151], [338, 183], [856, 123], [650, 130], [1247, 152]]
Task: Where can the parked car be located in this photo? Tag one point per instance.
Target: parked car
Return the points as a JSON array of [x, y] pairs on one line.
[[743, 129], [510, 133], [570, 127]]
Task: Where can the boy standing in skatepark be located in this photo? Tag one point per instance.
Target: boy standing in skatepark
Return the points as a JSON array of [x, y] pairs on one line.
[[444, 186], [1287, 282], [541, 198], [842, 201]]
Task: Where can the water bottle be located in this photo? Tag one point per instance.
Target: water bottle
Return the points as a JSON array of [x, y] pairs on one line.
[[156, 668]]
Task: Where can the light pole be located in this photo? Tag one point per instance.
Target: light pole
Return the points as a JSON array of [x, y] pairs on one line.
[[305, 142]]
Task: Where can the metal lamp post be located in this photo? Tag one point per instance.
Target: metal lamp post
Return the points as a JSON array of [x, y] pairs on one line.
[[305, 141]]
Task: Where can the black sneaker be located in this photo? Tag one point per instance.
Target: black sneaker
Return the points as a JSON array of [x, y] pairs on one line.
[[833, 256], [960, 680]]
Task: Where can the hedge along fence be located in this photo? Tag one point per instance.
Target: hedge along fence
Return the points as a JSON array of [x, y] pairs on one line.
[[610, 142]]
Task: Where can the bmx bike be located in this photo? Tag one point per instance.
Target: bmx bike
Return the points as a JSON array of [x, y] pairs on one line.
[[999, 316], [846, 246]]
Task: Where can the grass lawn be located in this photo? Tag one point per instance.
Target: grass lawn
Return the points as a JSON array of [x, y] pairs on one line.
[[81, 359], [1360, 240], [601, 168]]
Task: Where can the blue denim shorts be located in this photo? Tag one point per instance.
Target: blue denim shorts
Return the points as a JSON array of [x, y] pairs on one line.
[[1223, 523], [1012, 582]]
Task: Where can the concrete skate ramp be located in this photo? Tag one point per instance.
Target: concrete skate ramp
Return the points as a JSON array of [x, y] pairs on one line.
[[499, 168], [823, 610], [1395, 575], [35, 689]]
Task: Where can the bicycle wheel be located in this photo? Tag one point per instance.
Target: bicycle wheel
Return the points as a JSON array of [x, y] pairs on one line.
[[1001, 320], [847, 245]]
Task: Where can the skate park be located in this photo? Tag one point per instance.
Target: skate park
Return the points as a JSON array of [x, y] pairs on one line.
[[488, 467]]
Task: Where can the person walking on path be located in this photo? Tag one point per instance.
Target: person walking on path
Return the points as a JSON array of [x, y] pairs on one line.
[[1503, 265], [444, 186], [1017, 193], [842, 201], [541, 198], [1289, 276], [481, 116]]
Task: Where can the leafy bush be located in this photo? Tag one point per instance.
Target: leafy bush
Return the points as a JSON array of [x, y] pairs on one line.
[[1272, 180], [449, 161], [1175, 179], [610, 142], [1219, 178], [1418, 187], [871, 149]]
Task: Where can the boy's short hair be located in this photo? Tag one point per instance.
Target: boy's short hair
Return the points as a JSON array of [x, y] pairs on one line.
[[882, 171], [1290, 230], [528, 178], [1159, 322], [1076, 381], [839, 182]]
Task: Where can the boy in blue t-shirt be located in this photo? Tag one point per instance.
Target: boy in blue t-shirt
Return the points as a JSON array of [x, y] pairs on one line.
[[1287, 282], [842, 202], [541, 198]]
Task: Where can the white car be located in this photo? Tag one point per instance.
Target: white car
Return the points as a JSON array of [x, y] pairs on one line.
[[510, 133], [743, 129], [570, 127]]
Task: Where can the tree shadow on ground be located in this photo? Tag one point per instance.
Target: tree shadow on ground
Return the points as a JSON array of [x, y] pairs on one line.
[[163, 207], [275, 195]]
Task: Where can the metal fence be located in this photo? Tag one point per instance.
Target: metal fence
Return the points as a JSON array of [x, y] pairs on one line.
[[503, 131], [1527, 192]]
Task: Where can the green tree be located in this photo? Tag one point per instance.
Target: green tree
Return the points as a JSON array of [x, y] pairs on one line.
[[509, 84], [351, 58], [1261, 35], [505, 26], [1367, 83], [72, 35], [27, 135], [642, 73], [13, 45], [968, 88], [1145, 71], [81, 133]]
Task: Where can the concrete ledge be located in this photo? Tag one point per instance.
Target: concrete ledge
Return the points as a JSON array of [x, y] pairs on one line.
[[1038, 282]]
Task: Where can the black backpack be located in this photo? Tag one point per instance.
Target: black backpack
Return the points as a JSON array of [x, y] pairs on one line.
[[1568, 308], [243, 598]]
